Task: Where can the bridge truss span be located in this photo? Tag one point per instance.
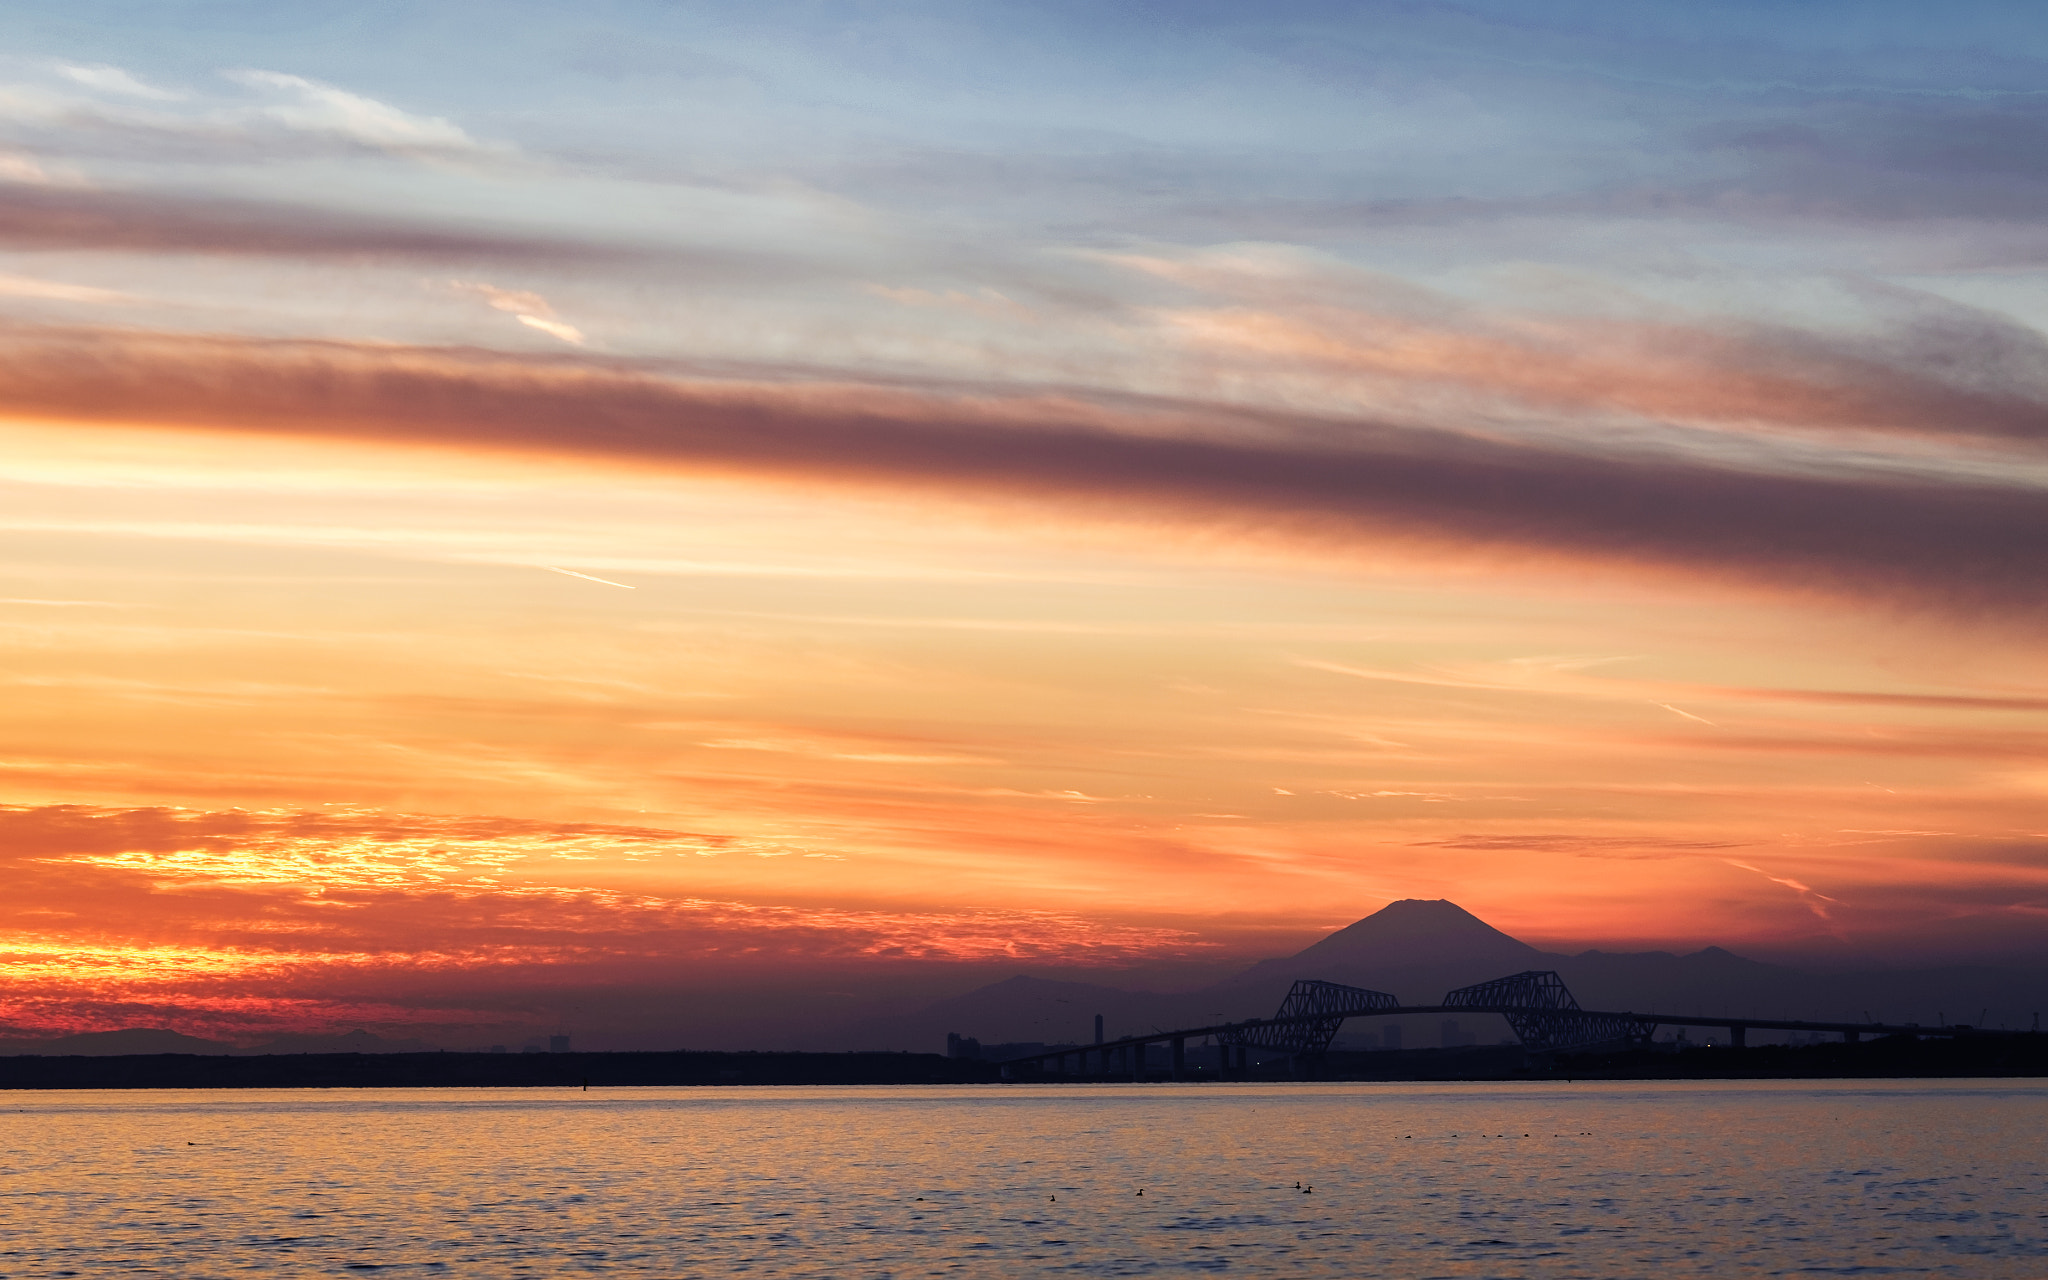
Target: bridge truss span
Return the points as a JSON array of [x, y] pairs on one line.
[[1536, 1004], [1544, 1015], [1531, 989], [1309, 1018]]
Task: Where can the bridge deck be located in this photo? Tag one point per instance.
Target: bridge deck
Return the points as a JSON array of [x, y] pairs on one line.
[[1659, 1019]]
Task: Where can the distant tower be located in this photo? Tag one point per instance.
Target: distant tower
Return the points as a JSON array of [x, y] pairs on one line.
[[558, 1044], [1098, 1028]]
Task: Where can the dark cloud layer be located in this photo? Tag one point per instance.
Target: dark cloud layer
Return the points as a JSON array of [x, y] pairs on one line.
[[38, 217], [34, 217], [1978, 546], [1955, 184], [1882, 162]]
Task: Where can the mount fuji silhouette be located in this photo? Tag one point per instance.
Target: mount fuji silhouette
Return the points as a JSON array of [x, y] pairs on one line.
[[1401, 938], [1417, 950], [1414, 949]]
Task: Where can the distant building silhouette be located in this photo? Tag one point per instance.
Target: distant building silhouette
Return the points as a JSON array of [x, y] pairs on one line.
[[558, 1044], [1390, 1036], [1453, 1038], [959, 1046]]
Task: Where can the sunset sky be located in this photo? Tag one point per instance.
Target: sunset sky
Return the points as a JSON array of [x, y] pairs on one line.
[[517, 515]]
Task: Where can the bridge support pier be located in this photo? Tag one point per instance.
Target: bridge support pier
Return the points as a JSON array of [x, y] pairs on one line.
[[1138, 1062], [1738, 1035], [1180, 1057]]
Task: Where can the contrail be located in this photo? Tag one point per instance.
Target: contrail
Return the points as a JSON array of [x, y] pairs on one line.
[[1807, 893], [587, 578], [1687, 714]]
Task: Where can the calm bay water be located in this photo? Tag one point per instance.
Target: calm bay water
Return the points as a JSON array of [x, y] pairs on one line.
[[1946, 1178]]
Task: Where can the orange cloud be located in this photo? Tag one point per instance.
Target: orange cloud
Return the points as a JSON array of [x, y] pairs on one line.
[[162, 906]]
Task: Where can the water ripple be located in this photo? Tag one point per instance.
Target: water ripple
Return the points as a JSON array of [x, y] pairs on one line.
[[1614, 1181]]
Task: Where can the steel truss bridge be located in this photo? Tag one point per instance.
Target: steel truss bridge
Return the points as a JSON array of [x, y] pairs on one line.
[[1537, 1005]]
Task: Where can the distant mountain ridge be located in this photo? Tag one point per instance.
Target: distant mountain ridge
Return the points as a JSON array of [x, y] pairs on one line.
[[1418, 950], [107, 1044], [141, 1040], [1415, 949]]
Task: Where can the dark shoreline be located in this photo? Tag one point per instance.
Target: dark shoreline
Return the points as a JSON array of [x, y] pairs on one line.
[[482, 1070], [1895, 1058]]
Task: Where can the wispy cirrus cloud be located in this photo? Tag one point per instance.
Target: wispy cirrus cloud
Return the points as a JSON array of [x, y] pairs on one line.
[[1582, 844], [1333, 335], [93, 104], [528, 308], [313, 107], [115, 80], [13, 286], [1551, 680]]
